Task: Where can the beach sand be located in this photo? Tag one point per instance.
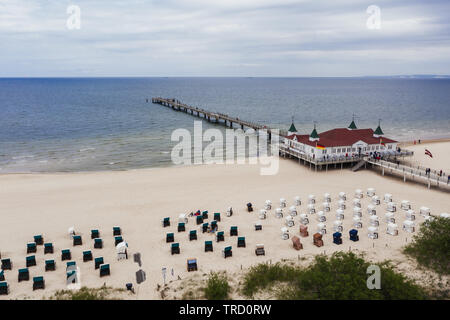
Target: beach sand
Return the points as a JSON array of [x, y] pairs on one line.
[[137, 201]]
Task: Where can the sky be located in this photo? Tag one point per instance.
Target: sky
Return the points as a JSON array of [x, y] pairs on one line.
[[280, 38]]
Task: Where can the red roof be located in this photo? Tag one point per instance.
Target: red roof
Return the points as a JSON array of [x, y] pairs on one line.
[[341, 137]]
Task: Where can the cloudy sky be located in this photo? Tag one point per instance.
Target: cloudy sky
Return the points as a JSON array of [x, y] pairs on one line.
[[224, 38]]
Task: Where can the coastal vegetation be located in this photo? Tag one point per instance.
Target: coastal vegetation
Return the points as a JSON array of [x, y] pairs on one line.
[[217, 287], [340, 276], [85, 293], [431, 246]]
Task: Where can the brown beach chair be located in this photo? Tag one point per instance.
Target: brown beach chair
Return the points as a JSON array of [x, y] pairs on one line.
[[296, 243], [304, 231], [317, 238]]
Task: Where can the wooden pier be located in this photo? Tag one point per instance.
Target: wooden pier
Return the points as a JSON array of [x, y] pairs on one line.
[[210, 116]]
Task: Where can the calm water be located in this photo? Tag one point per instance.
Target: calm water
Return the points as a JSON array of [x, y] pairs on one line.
[[106, 124]]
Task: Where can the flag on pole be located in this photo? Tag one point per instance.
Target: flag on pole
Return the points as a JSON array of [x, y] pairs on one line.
[[319, 146], [428, 153], [382, 142]]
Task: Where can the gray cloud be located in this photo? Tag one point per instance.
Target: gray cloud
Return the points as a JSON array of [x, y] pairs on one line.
[[224, 38]]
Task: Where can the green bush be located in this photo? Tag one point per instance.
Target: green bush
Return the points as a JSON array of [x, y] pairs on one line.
[[85, 293], [431, 246], [341, 276], [217, 287]]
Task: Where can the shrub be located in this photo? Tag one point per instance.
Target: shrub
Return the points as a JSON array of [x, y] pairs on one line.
[[431, 246], [341, 276], [217, 287], [85, 293]]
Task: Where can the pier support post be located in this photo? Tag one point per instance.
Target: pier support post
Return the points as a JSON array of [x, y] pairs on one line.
[[382, 172], [404, 177]]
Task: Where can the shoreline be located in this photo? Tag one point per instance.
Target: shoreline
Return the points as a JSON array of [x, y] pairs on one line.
[[403, 144]]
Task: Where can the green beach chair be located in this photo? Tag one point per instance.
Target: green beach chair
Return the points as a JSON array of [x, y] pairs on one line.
[[170, 238], [4, 288], [217, 216], [166, 222], [77, 241], [71, 276], [48, 248], [70, 264], [192, 235], [181, 227], [30, 261], [175, 248], [6, 264], [205, 214], [205, 227], [117, 231], [24, 275], [208, 246], [117, 240], [98, 243], [241, 242], [105, 270], [214, 225], [38, 283], [50, 265], [98, 261], [39, 240], [87, 256], [226, 252], [220, 236], [31, 247], [199, 220], [66, 255], [2, 275], [95, 234], [233, 231]]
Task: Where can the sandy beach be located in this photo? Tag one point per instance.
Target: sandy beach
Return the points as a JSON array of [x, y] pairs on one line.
[[137, 201]]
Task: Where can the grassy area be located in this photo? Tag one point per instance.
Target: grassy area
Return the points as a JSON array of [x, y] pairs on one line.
[[341, 276], [431, 246], [84, 293], [217, 287]]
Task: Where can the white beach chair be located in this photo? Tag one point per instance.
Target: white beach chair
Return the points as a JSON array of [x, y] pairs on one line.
[[311, 209], [182, 218], [410, 215], [229, 211], [278, 213], [284, 233], [262, 214], [342, 196], [121, 250], [340, 214], [376, 200], [311, 199], [371, 209], [428, 219], [71, 232], [282, 203], [359, 194], [289, 221], [373, 232], [321, 216], [297, 201], [391, 207], [389, 217], [405, 205], [321, 228], [357, 202], [327, 197], [424, 211], [392, 229], [370, 192], [408, 226], [293, 211], [357, 223], [268, 205], [445, 215], [341, 204], [337, 226], [357, 212], [304, 219], [387, 197], [326, 206], [374, 221]]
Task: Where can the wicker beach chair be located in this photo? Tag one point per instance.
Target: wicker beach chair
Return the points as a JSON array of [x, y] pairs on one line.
[[98, 261], [31, 247], [50, 265], [191, 264], [48, 248], [38, 283], [208, 246], [30, 261], [87, 256], [175, 248], [170, 237]]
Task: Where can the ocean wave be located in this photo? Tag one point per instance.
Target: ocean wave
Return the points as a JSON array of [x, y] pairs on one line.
[[86, 149], [22, 157]]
